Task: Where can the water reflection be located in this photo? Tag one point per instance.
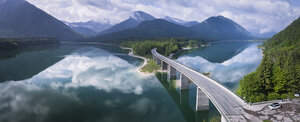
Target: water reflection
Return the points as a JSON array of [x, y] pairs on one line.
[[229, 71], [91, 85], [217, 52], [183, 98], [14, 53], [24, 63]]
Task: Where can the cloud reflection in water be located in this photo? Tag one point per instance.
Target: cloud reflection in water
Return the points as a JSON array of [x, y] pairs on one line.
[[231, 70], [57, 89], [94, 67]]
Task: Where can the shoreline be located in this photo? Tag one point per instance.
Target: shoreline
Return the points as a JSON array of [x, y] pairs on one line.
[[146, 60], [136, 56]]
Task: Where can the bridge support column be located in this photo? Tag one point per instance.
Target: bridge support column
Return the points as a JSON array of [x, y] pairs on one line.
[[158, 61], [185, 82], [202, 101], [172, 72], [164, 66]]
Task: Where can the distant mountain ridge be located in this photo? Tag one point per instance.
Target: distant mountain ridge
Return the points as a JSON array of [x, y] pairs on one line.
[[135, 19], [147, 30], [180, 22], [18, 19], [220, 28], [265, 35], [214, 28], [89, 28]]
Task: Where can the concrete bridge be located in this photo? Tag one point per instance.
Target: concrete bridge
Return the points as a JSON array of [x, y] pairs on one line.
[[229, 105]]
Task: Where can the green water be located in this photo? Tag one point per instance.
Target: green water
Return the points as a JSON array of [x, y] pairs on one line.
[[92, 83]]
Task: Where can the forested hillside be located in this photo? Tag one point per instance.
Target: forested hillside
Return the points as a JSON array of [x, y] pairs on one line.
[[278, 75], [21, 19], [164, 46], [17, 43]]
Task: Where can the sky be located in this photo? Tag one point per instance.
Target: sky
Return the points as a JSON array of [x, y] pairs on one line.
[[257, 16]]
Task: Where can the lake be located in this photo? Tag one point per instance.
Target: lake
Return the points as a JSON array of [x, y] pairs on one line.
[[78, 83]]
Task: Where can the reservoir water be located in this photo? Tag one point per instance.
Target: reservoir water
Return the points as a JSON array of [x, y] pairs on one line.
[[92, 83]]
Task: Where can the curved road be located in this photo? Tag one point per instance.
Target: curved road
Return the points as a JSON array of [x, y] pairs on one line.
[[227, 103]]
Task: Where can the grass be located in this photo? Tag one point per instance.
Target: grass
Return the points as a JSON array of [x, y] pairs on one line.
[[150, 67], [206, 74], [215, 119]]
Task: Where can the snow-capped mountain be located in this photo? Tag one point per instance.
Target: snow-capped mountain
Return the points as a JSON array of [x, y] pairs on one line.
[[180, 22], [89, 28], [141, 16], [135, 19], [213, 28]]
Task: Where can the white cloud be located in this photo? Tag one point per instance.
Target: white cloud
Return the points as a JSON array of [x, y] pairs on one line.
[[258, 16], [231, 70]]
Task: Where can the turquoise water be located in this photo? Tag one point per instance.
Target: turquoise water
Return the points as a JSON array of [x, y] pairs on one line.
[[91, 83]]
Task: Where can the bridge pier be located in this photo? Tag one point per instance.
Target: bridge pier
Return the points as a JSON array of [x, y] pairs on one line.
[[164, 66], [158, 61], [172, 72], [185, 82], [202, 101]]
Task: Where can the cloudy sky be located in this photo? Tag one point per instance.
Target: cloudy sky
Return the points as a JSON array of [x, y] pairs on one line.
[[258, 16]]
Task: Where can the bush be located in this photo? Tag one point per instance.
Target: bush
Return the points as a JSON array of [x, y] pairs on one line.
[[273, 96], [284, 96], [256, 98]]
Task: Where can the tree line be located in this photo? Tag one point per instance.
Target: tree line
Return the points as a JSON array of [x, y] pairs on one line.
[[164, 46]]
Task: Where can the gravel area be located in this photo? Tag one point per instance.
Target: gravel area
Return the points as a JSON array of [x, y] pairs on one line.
[[290, 112]]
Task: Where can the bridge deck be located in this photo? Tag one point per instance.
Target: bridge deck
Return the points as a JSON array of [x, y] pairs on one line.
[[228, 103]]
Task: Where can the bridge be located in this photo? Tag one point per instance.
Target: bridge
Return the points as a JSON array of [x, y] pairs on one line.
[[229, 105]]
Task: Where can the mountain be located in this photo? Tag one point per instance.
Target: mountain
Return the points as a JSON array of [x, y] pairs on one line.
[[89, 28], [18, 18], [278, 75], [220, 28], [215, 28], [157, 28], [135, 19], [84, 31], [264, 35], [180, 22]]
